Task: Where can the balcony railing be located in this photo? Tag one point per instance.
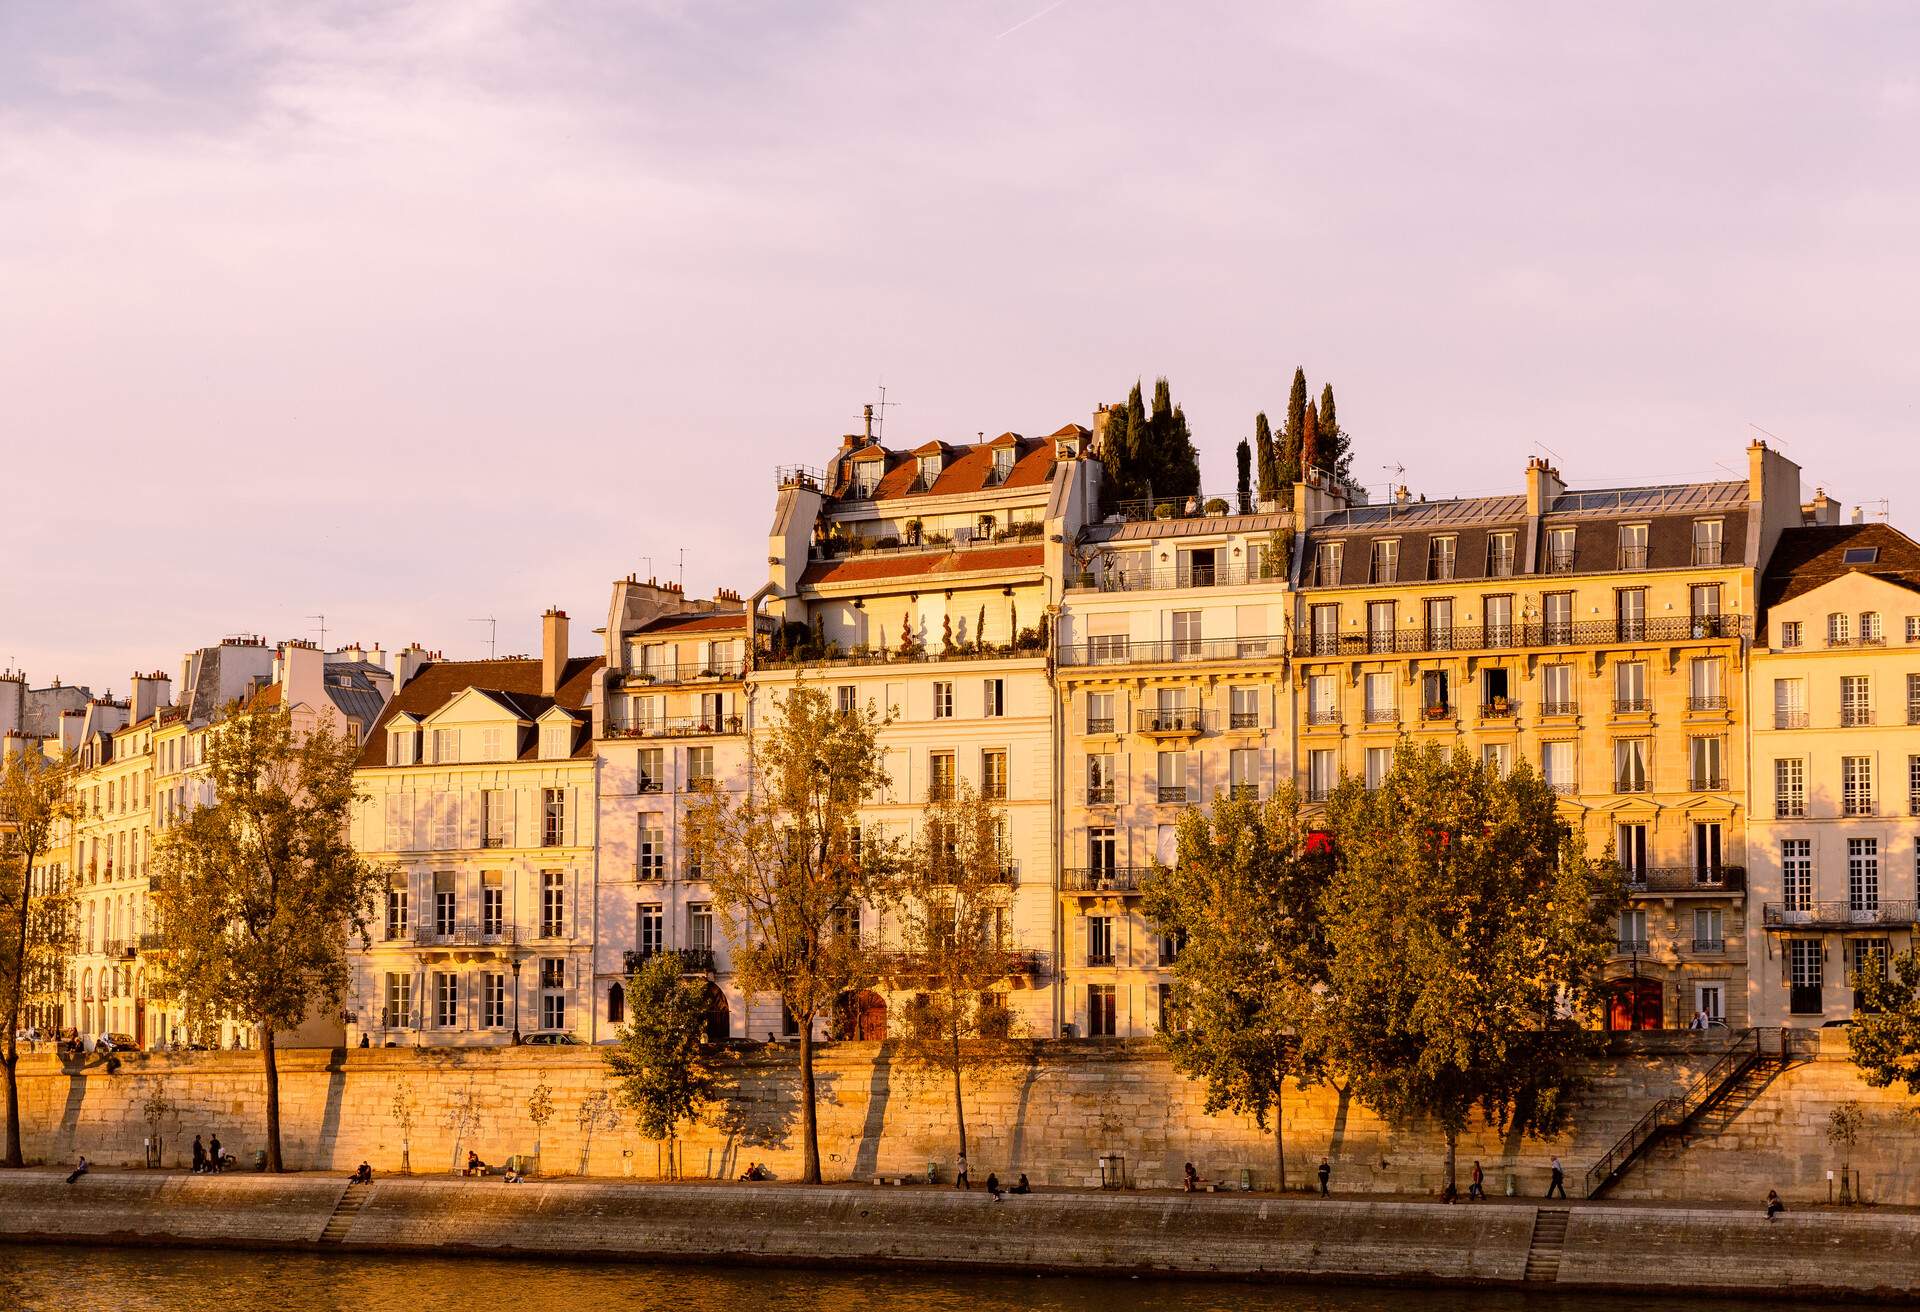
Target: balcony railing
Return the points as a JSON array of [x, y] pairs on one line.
[[1099, 958], [1634, 558], [690, 671], [692, 961], [1318, 715], [680, 726], [1101, 795], [1103, 879], [800, 476], [153, 941], [1559, 562], [1126, 652], [1632, 705], [1504, 708], [1706, 703], [1383, 715], [1839, 915], [1319, 796], [649, 784], [1707, 783], [1244, 792], [1709, 945], [1537, 634], [1791, 719], [1187, 507], [464, 936], [1193, 576], [1244, 720], [1627, 784], [1628, 947], [1173, 722], [1173, 793], [650, 868], [1100, 724], [1864, 640], [1437, 711], [1708, 553], [1559, 708], [1686, 879]]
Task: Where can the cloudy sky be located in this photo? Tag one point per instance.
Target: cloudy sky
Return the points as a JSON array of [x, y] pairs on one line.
[[410, 313]]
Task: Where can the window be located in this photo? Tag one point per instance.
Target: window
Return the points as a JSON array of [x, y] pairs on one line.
[[650, 929], [1379, 763], [446, 999], [1556, 615], [1630, 850], [1630, 765], [1497, 758], [1705, 679], [928, 470], [1630, 688], [652, 850], [1323, 700], [1244, 772], [652, 764], [1187, 642], [446, 746], [1440, 556], [1790, 633], [1325, 621], [1913, 699], [1499, 555], [493, 904], [1863, 876], [1380, 632], [993, 775], [1706, 852], [445, 903], [1839, 629], [1796, 874], [1633, 546], [553, 904], [1789, 788], [1002, 465], [1101, 849], [1099, 940], [1326, 565], [1633, 931], [1557, 766], [1383, 705], [1556, 690], [1856, 700], [1439, 616], [1860, 555], [553, 996], [556, 741], [700, 926], [1704, 756], [399, 1008], [1496, 691], [553, 817], [1913, 792], [1436, 694], [1789, 703], [1560, 550], [994, 698], [939, 776], [699, 767], [844, 699], [1321, 774], [943, 699], [1100, 1011], [396, 909], [1803, 966], [1386, 561], [1856, 785], [493, 1000], [1497, 611], [1630, 614], [1244, 708], [1100, 779], [1171, 775], [1709, 930], [1099, 712], [1871, 631], [1913, 628], [1707, 535], [402, 746]]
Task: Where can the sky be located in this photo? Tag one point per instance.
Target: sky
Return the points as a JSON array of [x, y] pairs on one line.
[[407, 314]]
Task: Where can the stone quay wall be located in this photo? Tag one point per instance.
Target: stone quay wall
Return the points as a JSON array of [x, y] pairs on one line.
[[1054, 1117]]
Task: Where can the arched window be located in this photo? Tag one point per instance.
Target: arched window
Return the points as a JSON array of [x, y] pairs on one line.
[[616, 1004]]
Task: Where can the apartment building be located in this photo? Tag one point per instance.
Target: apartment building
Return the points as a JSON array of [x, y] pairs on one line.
[[479, 793], [671, 726], [1601, 637], [1832, 850], [919, 582], [30, 716], [1171, 658]]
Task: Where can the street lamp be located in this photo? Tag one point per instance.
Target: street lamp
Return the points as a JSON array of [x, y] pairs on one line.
[[516, 1001]]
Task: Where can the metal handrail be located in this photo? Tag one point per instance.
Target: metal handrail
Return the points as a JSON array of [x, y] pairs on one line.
[[1502, 637], [1122, 651], [1104, 879], [1742, 1054]]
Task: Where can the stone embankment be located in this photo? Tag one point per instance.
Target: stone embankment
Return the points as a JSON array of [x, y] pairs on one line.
[[1624, 1247]]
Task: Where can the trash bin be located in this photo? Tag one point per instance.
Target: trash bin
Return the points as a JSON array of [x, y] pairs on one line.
[[259, 1159], [1246, 1179], [1113, 1171], [933, 1172]]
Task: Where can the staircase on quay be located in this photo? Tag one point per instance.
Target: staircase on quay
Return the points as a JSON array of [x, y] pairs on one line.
[[348, 1207]]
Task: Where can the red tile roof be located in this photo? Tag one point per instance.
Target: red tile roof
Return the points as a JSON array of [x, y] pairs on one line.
[[964, 468], [515, 681], [906, 565], [698, 623]]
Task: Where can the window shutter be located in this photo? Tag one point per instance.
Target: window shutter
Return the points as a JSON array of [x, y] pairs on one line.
[[573, 817], [1193, 774]]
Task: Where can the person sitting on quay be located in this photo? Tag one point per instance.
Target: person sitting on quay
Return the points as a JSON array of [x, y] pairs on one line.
[[1774, 1205], [362, 1174], [993, 1186], [1189, 1179], [1022, 1187], [474, 1165]]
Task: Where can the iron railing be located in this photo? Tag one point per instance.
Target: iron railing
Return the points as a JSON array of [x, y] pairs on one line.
[[1533, 634], [1748, 1049], [1709, 945], [1559, 708], [1383, 715], [1318, 715], [1099, 724], [689, 671], [1504, 709], [1122, 579], [1840, 914], [1104, 879], [1100, 796], [1793, 719], [1632, 705], [1121, 651], [1706, 703], [680, 726], [1686, 879], [1179, 720], [1173, 793], [692, 961], [800, 476], [464, 936], [1244, 720]]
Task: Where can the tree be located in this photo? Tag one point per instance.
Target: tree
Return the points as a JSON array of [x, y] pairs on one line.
[[539, 1111], [1469, 935], [1268, 456], [595, 1113], [1885, 1034], [38, 929], [661, 1060], [1244, 904], [404, 1110], [1843, 1134], [1172, 464], [462, 1117], [1125, 451], [1336, 448], [1243, 483], [788, 870], [257, 892], [1295, 431], [950, 903]]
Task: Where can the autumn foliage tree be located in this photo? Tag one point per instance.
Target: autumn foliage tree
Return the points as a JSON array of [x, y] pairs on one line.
[[789, 871], [38, 927], [258, 893], [662, 1060]]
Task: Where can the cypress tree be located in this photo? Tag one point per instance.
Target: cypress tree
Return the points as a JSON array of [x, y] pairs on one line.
[[1336, 453], [1243, 459], [1269, 458], [1180, 462], [1295, 431]]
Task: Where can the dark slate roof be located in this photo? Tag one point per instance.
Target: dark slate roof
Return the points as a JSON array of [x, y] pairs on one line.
[[1809, 556], [351, 689]]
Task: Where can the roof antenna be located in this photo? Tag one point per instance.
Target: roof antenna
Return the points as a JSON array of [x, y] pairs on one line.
[[878, 413], [493, 631], [683, 570], [323, 630], [1399, 472]]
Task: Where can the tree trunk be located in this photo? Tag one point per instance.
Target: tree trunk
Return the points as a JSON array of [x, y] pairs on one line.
[[274, 1163], [809, 1121], [1280, 1138], [10, 1060], [959, 1103], [1453, 1143], [18, 982]]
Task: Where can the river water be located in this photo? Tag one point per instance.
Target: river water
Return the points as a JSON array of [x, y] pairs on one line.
[[189, 1280]]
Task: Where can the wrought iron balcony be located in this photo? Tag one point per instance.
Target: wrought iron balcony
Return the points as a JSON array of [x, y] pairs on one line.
[[1632, 705], [1706, 703], [680, 726], [1551, 708], [1790, 719], [1501, 708], [1100, 795], [690, 672], [1243, 720], [1175, 722], [1528, 636], [1192, 576], [1709, 945], [464, 936], [1686, 879], [1633, 558], [1174, 651], [1708, 553], [1173, 793], [1100, 724], [1629, 947], [1383, 715], [1318, 715], [1244, 792], [1099, 958], [692, 961], [1103, 879], [1841, 915]]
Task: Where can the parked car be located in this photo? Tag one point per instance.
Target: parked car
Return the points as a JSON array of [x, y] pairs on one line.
[[122, 1042], [551, 1038]]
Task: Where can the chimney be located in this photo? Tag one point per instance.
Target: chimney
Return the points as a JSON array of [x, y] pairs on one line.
[[149, 695], [1859, 514], [553, 650], [1543, 485], [1401, 496]]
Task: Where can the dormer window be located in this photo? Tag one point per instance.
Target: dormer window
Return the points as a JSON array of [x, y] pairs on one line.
[[1386, 560], [446, 746], [866, 477], [1707, 541], [1002, 465], [1326, 565], [403, 746], [556, 740], [929, 471]]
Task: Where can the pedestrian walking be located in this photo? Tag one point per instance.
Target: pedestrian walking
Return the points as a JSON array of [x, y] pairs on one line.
[[1774, 1205], [214, 1162], [199, 1155], [1477, 1189], [82, 1168], [960, 1177], [1326, 1173], [1558, 1185]]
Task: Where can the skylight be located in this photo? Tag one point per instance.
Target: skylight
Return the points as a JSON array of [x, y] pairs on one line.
[[1860, 556]]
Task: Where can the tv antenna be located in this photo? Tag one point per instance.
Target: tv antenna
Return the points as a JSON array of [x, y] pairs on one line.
[[683, 569], [1399, 472], [877, 413], [493, 631], [323, 629], [1882, 509]]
